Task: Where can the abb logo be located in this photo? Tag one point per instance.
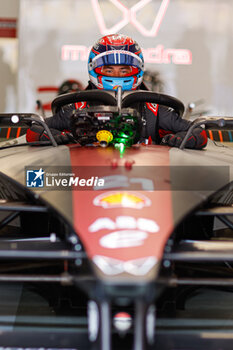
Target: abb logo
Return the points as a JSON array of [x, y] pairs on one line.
[[130, 16]]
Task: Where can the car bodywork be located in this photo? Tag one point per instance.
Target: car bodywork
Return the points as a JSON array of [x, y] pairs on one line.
[[125, 245]]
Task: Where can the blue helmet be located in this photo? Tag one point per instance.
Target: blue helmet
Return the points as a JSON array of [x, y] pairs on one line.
[[116, 49]]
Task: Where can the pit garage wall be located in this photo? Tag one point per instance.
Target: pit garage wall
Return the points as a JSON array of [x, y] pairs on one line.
[[189, 42], [8, 55]]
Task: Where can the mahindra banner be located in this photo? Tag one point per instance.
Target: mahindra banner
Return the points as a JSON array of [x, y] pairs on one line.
[[189, 43]]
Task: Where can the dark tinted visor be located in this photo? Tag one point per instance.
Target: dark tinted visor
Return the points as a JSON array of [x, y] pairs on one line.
[[116, 57]]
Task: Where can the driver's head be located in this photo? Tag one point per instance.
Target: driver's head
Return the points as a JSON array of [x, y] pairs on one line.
[[116, 60]]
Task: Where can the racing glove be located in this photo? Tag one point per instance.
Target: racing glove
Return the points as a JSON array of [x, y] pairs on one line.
[[197, 140], [62, 138], [37, 133]]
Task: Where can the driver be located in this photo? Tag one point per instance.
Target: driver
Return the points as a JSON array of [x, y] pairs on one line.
[[117, 60]]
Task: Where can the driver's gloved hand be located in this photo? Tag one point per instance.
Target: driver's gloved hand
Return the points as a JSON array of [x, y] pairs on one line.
[[62, 138], [37, 133], [197, 140], [174, 140], [65, 137]]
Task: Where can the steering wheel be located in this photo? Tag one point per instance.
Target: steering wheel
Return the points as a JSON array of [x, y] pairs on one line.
[[107, 98], [102, 97]]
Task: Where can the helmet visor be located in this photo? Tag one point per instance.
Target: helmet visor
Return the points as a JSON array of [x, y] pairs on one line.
[[116, 57]]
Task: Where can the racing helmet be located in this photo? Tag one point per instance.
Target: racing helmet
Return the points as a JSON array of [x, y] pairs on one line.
[[70, 86], [116, 49]]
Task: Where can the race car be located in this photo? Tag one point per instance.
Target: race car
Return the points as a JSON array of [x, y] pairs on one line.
[[105, 242]]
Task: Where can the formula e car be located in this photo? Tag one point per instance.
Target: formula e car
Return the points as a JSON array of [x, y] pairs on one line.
[[109, 243]]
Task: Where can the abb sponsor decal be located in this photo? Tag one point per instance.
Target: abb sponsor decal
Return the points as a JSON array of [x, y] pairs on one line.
[[130, 232]]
